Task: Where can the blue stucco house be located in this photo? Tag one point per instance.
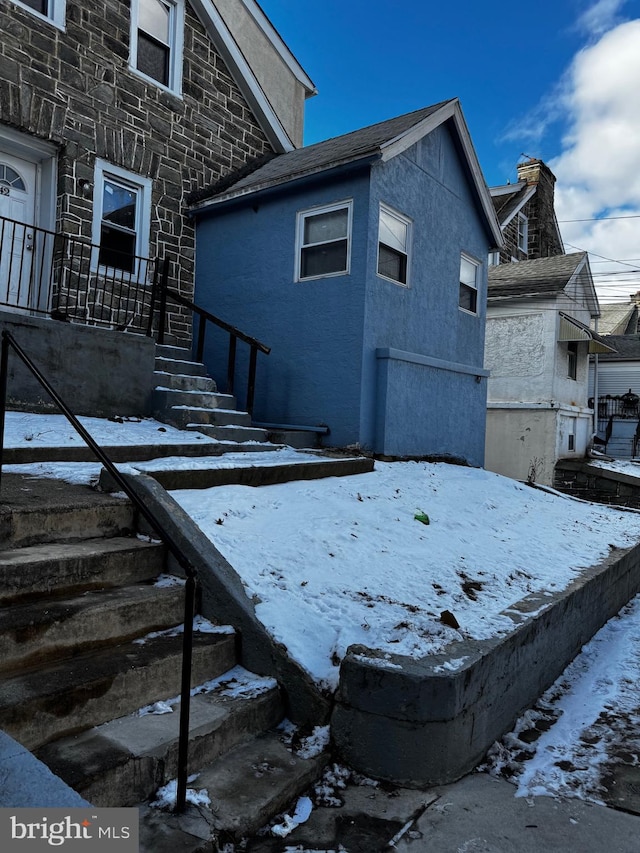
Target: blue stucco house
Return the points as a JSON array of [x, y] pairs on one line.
[[362, 262]]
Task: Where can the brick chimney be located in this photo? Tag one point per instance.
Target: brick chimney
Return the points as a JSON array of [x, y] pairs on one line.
[[543, 237]]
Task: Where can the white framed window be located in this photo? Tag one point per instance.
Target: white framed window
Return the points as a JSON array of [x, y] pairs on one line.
[[494, 259], [394, 236], [49, 10], [157, 40], [572, 359], [523, 233], [468, 299], [323, 241], [121, 219]]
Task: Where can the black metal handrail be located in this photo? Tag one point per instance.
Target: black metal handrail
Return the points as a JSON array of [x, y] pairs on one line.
[[69, 278], [8, 341], [205, 317]]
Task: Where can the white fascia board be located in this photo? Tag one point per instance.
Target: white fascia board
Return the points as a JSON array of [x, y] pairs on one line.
[[243, 75], [505, 189], [525, 198], [280, 45], [583, 270], [451, 110]]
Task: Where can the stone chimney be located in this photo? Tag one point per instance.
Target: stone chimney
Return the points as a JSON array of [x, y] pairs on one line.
[[543, 236]]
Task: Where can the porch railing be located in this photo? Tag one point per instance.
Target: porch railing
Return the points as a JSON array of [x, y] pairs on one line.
[[203, 320], [9, 342], [625, 406], [69, 278]]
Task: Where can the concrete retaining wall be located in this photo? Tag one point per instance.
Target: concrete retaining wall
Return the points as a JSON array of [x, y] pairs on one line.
[[97, 372], [591, 482], [416, 723]]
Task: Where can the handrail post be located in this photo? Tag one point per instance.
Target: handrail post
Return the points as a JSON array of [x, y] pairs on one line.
[[251, 382], [185, 695], [231, 364], [202, 328], [162, 317], [4, 375]]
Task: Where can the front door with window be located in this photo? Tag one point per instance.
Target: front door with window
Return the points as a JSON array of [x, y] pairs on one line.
[[18, 274]]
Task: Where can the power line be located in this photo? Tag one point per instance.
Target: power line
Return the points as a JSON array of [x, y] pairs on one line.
[[602, 218]]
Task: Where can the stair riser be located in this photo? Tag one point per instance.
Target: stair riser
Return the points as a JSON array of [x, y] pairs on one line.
[[183, 417], [137, 780], [175, 365], [37, 719], [232, 433], [167, 351], [179, 382], [30, 528], [61, 631], [167, 399], [21, 577]]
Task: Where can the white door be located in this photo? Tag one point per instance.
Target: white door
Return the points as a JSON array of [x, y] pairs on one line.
[[18, 264]]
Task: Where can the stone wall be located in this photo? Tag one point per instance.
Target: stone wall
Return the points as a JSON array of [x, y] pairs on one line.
[[74, 88]]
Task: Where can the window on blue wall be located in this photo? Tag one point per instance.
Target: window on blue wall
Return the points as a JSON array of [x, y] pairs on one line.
[[324, 241], [394, 231], [468, 284]]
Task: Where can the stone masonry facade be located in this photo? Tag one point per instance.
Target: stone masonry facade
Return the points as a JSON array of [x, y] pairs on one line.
[[74, 88], [542, 232]]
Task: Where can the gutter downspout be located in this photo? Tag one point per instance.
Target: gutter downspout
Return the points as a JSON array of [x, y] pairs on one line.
[[595, 387]]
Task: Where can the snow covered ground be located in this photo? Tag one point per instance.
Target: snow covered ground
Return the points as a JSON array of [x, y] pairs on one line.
[[376, 558]]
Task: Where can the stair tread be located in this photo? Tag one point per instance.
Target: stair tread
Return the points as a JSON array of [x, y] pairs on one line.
[[70, 549], [83, 759]]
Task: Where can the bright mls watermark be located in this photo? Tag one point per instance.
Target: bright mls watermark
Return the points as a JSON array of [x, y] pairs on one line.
[[83, 830]]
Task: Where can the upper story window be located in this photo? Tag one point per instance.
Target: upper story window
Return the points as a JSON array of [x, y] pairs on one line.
[[523, 233], [121, 218], [394, 231], [494, 259], [157, 35], [468, 300], [324, 241], [52, 10]]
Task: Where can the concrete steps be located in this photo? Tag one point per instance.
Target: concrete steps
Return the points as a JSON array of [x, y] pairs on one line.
[[88, 639]]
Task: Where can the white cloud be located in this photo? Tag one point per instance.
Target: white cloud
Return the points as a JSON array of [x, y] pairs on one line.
[[598, 169], [600, 17]]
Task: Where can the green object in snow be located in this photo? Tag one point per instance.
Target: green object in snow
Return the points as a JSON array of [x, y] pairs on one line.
[[422, 517]]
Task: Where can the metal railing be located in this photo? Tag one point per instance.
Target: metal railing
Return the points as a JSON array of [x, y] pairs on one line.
[[69, 278], [626, 406], [9, 342], [206, 317]]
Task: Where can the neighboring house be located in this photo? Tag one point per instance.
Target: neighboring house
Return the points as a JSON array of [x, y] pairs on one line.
[[526, 214], [537, 351], [110, 114], [619, 318], [362, 261]]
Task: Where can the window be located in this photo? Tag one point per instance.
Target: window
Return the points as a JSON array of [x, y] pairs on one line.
[[157, 33], [494, 259], [523, 233], [121, 216], [393, 245], [52, 10], [468, 285], [324, 241], [572, 359]]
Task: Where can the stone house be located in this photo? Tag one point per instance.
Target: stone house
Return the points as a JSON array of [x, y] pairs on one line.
[[110, 113], [362, 260], [527, 216]]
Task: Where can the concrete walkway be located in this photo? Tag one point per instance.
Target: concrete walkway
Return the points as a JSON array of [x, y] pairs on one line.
[[478, 814]]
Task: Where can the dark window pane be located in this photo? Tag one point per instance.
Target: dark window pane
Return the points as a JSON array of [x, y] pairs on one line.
[[324, 260], [468, 298], [117, 249], [392, 264], [41, 6], [153, 58], [326, 226]]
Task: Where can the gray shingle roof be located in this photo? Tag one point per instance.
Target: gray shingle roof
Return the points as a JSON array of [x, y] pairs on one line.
[[505, 203], [543, 277], [618, 319], [324, 155], [627, 348]]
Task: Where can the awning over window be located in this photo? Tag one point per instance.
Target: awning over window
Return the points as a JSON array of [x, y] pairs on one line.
[[573, 330]]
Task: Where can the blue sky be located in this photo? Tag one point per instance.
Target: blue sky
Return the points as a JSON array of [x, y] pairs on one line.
[[555, 80]]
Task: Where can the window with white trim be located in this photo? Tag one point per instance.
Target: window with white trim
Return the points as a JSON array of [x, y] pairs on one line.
[[494, 259], [523, 233], [324, 241], [51, 10], [394, 233], [157, 39], [121, 218], [468, 299], [572, 359]]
